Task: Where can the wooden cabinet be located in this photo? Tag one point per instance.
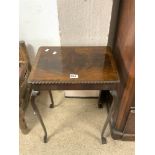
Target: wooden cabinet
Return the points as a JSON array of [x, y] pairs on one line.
[[123, 120], [24, 91]]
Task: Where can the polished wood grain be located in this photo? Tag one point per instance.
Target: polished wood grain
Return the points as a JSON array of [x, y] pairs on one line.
[[124, 53], [91, 64]]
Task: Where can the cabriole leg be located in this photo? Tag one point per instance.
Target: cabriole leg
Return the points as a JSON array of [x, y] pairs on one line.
[[39, 116], [100, 104], [113, 105], [51, 97]]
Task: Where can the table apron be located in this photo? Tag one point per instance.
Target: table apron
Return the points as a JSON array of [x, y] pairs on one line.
[[111, 86]]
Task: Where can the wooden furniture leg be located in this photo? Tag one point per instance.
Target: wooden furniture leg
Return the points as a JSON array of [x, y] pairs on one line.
[[114, 104], [51, 97], [104, 97], [22, 122], [39, 116], [100, 105]]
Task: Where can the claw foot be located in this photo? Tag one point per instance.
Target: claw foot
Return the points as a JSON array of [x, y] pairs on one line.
[[104, 141]]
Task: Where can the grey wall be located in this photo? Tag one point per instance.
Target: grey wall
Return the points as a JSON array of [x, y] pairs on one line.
[[38, 24], [84, 22]]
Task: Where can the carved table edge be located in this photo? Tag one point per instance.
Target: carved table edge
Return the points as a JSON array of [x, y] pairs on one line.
[[73, 82]]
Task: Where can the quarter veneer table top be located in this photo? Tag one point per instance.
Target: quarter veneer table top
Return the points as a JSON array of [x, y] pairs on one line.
[[89, 64]]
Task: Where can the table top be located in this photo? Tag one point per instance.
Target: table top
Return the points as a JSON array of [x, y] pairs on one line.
[[74, 65]]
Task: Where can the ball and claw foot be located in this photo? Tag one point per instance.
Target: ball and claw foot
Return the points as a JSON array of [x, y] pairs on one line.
[[51, 106], [45, 139], [100, 105], [104, 141]]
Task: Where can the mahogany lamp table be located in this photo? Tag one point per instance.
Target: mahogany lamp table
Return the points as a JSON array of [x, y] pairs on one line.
[[74, 68]]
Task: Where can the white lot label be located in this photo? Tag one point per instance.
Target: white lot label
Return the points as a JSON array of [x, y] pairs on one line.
[[72, 76], [54, 52], [46, 50]]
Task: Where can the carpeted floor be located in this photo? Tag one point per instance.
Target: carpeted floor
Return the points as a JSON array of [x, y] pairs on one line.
[[74, 128]]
